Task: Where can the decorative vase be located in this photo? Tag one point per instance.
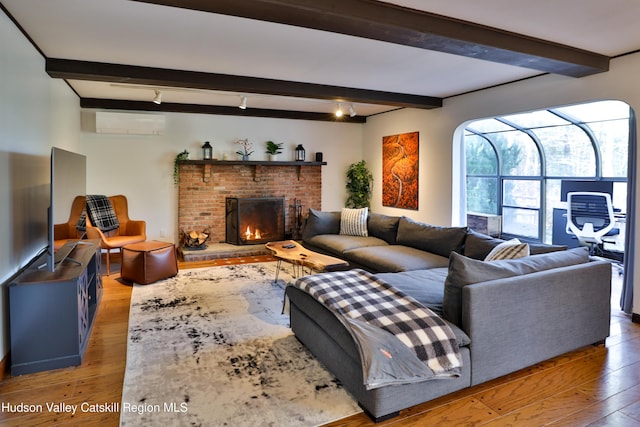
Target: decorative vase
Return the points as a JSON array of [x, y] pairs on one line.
[[245, 157]]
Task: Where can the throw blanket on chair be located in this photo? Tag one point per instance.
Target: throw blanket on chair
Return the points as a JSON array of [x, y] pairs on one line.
[[101, 213], [400, 340]]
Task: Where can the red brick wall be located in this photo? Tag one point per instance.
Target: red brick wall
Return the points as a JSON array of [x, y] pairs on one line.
[[204, 188]]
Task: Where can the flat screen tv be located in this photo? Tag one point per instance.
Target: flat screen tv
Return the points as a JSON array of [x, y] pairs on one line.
[[68, 180]]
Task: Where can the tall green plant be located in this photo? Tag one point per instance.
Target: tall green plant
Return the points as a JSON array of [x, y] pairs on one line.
[[359, 185]]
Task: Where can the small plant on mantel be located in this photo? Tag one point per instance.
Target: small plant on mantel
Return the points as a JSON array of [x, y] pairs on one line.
[[273, 149], [184, 155], [246, 148]]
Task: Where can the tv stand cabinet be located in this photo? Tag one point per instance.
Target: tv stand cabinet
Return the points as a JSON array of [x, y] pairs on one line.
[[52, 313]]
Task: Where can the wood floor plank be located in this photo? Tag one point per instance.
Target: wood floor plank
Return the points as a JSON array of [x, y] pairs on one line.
[[541, 385], [594, 384]]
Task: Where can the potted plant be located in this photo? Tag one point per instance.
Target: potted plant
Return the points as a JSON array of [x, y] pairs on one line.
[[184, 155], [273, 149], [359, 183], [246, 149]]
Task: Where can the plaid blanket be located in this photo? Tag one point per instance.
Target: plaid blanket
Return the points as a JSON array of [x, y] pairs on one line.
[[101, 213], [379, 317]]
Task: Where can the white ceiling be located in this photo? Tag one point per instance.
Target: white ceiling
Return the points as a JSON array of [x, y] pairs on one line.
[[142, 34]]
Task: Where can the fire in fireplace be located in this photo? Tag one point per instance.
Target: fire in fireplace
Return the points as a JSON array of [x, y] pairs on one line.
[[250, 221]]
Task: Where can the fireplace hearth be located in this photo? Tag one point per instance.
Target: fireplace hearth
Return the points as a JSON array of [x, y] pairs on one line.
[[251, 221]]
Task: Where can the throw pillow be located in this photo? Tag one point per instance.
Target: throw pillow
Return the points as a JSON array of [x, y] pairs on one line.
[[353, 222], [431, 238], [383, 227], [511, 249], [319, 222], [464, 271]]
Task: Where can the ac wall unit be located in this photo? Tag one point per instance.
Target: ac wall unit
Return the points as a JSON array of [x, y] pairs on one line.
[[129, 123]]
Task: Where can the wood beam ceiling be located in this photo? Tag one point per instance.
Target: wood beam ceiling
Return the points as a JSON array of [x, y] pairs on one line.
[[395, 24], [117, 104], [131, 74]]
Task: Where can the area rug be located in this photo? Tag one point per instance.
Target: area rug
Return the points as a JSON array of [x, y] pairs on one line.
[[212, 347]]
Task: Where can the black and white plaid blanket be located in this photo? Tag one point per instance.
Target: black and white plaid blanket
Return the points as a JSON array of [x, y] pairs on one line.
[[361, 300], [101, 213]]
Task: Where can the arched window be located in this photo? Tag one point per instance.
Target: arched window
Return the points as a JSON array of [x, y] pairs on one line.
[[515, 164]]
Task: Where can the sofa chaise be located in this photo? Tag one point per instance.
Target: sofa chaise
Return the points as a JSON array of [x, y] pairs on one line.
[[506, 314]]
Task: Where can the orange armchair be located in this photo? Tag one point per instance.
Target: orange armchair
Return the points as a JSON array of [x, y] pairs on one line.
[[130, 231], [67, 231]]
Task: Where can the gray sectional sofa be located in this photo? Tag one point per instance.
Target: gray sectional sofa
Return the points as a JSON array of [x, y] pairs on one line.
[[506, 314]]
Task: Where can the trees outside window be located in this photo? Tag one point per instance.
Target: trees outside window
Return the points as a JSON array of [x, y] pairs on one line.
[[515, 164]]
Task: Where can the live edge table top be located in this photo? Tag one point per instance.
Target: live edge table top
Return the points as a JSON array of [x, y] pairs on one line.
[[292, 251]]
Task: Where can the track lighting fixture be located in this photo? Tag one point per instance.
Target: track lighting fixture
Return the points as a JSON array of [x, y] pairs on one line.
[[339, 112], [352, 111], [157, 99], [243, 103]]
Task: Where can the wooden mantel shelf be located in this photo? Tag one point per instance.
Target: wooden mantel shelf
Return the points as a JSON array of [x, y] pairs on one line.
[[250, 163], [257, 164]]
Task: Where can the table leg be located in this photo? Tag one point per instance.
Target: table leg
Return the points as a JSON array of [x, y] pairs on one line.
[[277, 270]]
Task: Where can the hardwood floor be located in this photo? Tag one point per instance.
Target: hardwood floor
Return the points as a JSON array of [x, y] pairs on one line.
[[595, 385]]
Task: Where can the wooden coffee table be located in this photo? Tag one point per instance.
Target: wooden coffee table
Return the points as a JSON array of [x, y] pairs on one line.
[[293, 252]]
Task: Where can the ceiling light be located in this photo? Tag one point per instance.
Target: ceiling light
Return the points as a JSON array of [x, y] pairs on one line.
[[339, 112], [243, 103], [352, 111], [158, 98]]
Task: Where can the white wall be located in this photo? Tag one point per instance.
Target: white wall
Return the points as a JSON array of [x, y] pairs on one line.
[[438, 153], [141, 167], [36, 113]]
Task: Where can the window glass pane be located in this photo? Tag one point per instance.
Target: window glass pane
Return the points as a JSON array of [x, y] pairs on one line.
[[520, 193], [568, 151], [489, 125], [518, 153], [480, 157], [521, 222], [597, 111], [536, 119], [619, 198], [613, 139], [482, 195]]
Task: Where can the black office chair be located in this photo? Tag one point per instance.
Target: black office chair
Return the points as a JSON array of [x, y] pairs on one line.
[[591, 219]]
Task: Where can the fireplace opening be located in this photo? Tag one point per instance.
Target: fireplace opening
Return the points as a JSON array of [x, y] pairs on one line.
[[251, 221]]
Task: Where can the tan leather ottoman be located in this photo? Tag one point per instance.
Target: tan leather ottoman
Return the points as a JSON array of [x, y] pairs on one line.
[[148, 262]]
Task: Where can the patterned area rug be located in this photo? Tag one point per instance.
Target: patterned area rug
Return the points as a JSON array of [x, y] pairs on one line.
[[211, 347]]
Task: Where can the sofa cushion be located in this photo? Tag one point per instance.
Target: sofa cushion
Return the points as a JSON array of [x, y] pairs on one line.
[[319, 222], [511, 249], [478, 245], [384, 227], [393, 258], [338, 244], [426, 287], [464, 271], [353, 222], [438, 240]]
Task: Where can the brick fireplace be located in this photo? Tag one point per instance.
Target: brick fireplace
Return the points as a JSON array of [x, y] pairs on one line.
[[205, 185]]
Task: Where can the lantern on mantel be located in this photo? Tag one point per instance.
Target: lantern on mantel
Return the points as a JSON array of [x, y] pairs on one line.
[[207, 151], [300, 153]]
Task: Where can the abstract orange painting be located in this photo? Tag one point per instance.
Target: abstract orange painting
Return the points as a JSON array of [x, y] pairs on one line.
[[400, 170]]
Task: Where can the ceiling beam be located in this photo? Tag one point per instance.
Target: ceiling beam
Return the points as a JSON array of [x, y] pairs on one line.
[[131, 74], [410, 27], [118, 104]]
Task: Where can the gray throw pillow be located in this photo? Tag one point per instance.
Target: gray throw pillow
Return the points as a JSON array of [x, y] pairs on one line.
[[478, 245], [437, 240], [465, 271], [320, 222], [383, 227]]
